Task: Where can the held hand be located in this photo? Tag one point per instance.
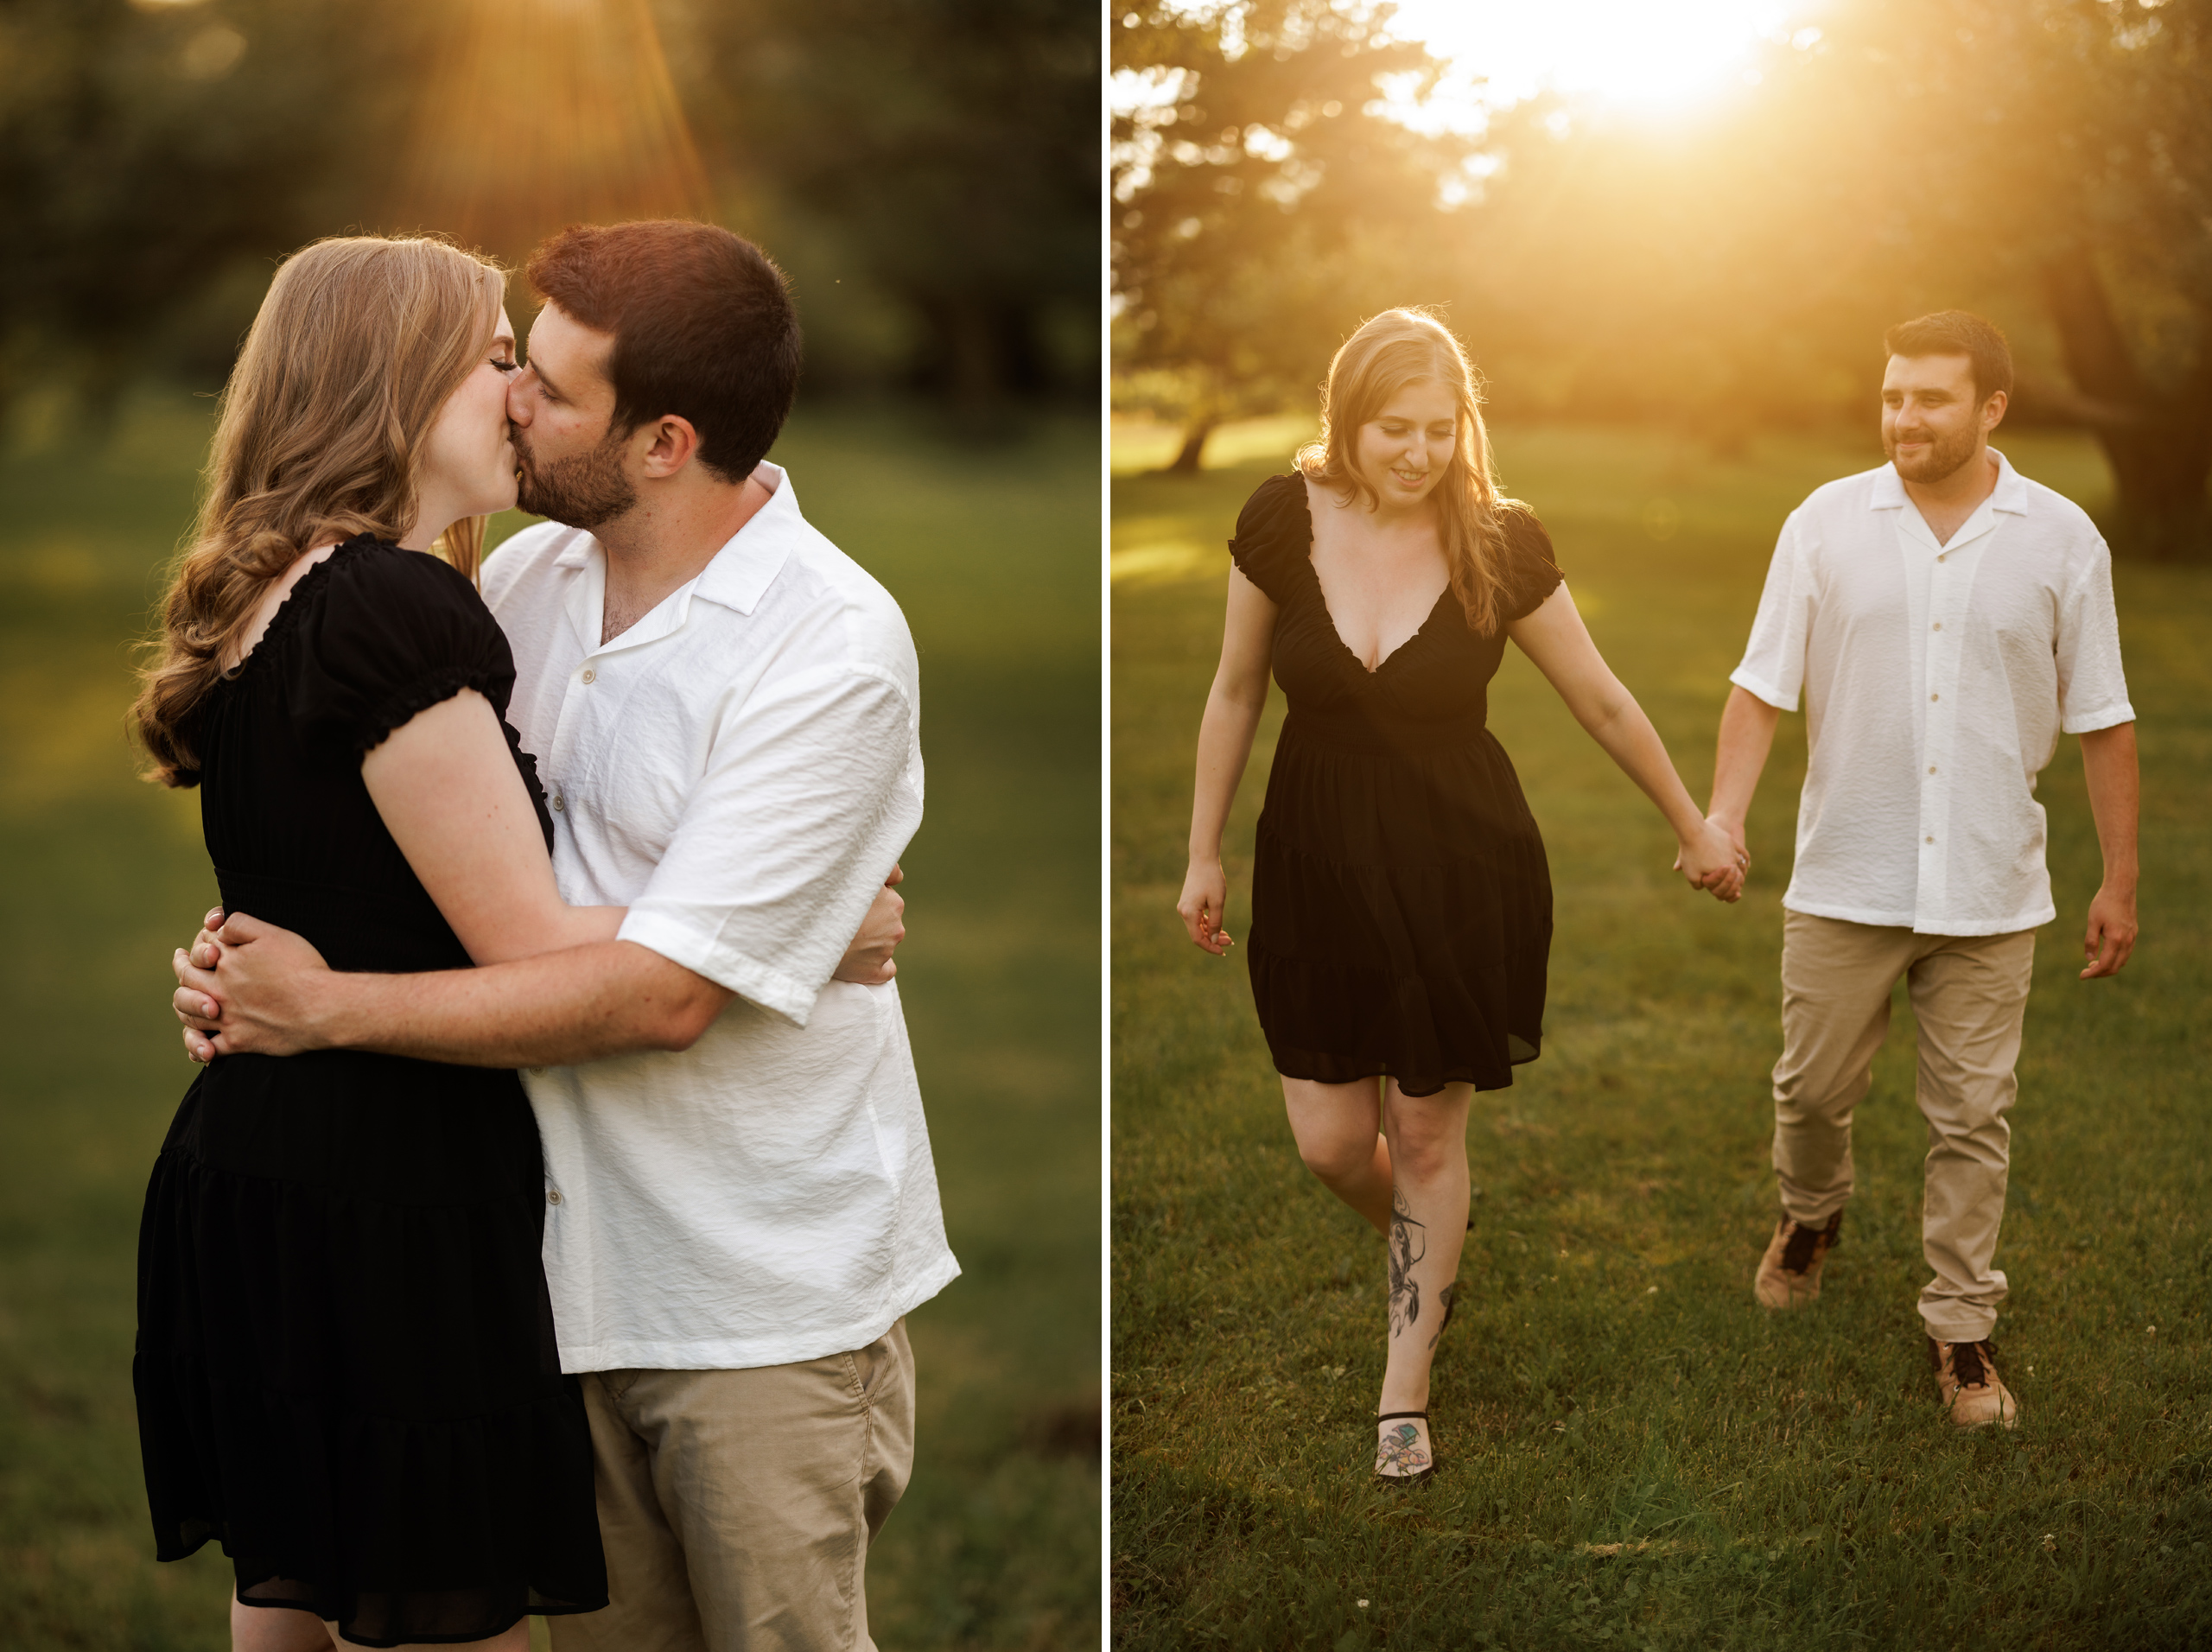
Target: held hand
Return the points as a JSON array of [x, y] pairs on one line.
[[867, 960], [1205, 903], [1714, 859], [259, 996], [203, 952], [2111, 935]]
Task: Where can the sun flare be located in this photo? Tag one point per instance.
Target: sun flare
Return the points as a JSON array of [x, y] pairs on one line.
[[1655, 55]]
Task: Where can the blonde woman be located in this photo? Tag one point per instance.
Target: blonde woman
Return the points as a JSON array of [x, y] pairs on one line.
[[346, 1368], [1401, 900]]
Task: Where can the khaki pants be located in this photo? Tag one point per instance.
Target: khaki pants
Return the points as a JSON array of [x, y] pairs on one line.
[[737, 1507], [1969, 994]]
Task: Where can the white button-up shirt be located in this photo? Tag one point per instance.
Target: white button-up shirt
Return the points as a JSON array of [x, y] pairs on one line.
[[1938, 678], [740, 769]]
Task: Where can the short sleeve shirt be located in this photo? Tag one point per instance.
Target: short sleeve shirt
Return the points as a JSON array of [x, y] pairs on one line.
[[740, 769], [1936, 679]]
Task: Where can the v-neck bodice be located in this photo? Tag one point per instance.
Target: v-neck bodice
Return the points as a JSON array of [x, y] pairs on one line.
[[1433, 688]]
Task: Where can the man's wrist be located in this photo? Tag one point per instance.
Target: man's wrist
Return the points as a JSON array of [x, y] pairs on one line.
[[325, 1020]]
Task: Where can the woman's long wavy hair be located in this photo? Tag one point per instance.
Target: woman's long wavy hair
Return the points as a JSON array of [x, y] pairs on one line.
[[1390, 351], [357, 348]]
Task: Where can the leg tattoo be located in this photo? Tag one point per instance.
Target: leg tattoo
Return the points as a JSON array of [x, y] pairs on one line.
[[1443, 1300], [1405, 1290]]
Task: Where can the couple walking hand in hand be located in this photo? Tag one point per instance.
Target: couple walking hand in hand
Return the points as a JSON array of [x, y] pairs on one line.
[[1944, 619]]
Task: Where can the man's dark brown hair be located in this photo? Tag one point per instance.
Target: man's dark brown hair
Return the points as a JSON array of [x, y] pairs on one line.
[[703, 326], [1955, 333]]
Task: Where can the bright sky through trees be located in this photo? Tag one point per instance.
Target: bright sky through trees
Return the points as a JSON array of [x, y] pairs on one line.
[[1658, 55]]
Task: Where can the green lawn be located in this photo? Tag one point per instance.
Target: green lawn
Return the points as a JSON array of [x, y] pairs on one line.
[[1634, 1454], [994, 553]]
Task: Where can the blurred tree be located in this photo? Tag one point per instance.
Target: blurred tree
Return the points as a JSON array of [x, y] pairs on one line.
[[1263, 197], [2064, 146], [156, 157], [145, 150], [953, 144]]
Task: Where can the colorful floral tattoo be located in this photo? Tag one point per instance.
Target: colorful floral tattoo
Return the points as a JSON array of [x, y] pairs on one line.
[[1401, 1451]]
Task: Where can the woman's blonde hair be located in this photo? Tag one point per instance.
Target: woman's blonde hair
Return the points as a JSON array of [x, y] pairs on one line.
[[357, 348], [1390, 351]]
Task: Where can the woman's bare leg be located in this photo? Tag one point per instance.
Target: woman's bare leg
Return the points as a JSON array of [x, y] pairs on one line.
[[275, 1628], [1336, 1129], [286, 1629], [1428, 1227]]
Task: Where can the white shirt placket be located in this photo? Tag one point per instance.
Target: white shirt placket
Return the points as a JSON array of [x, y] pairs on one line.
[[1950, 582]]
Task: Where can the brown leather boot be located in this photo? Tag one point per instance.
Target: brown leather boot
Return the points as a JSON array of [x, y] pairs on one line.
[[1789, 1273], [1966, 1376]]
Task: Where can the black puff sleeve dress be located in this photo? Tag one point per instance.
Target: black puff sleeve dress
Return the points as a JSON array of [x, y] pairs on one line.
[[346, 1372], [1401, 905]]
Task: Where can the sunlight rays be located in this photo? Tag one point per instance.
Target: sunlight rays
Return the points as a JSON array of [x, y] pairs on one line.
[[544, 112]]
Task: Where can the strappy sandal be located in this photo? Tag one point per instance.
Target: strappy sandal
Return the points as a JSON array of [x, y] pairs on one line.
[[1402, 1447]]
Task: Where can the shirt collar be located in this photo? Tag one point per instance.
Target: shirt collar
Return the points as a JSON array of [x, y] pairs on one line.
[[742, 569], [2009, 495], [736, 578]]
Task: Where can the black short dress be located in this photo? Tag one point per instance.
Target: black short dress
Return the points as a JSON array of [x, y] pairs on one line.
[[1402, 905], [346, 1371]]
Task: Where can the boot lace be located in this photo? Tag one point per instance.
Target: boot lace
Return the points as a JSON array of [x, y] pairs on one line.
[[1971, 1363], [1804, 1243]]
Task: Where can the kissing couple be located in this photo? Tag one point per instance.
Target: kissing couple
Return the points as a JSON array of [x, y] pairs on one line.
[[538, 1233]]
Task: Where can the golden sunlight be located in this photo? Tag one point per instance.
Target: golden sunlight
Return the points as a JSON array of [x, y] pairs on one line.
[[1656, 55], [546, 112]]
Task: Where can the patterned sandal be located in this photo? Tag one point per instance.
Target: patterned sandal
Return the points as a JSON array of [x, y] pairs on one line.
[[1402, 1455]]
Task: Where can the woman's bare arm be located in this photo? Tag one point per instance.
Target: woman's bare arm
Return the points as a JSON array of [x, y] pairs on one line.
[[1239, 694], [454, 801], [1554, 638]]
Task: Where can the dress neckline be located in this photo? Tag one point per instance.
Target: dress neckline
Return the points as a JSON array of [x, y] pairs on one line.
[[1306, 505], [290, 609]]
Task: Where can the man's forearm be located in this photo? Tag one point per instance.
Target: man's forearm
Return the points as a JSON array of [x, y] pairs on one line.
[[610, 998], [2115, 786], [1747, 726]]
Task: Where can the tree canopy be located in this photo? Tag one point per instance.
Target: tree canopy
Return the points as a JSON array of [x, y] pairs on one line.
[[1261, 194], [932, 163], [2048, 162]]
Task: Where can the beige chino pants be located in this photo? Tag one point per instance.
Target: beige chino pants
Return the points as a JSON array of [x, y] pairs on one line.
[[737, 1507], [1969, 994]]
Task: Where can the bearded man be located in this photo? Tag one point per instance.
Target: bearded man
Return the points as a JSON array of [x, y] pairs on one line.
[[1946, 620]]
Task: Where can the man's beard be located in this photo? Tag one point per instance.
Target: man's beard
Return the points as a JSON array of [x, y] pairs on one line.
[[584, 490], [1944, 456]]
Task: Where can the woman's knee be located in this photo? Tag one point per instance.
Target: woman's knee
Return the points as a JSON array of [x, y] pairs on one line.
[[1425, 1156], [1335, 1156]]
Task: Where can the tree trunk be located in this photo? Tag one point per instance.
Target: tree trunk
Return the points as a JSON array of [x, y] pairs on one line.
[[2159, 442], [1196, 429]]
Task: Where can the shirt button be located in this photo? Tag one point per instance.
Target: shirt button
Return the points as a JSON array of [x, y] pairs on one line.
[[1932, 697], [553, 1194], [1930, 840], [557, 805], [591, 676], [1939, 559], [1938, 625], [1931, 768]]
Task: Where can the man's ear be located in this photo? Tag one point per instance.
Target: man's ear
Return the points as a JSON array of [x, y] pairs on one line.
[[1993, 410], [670, 444]]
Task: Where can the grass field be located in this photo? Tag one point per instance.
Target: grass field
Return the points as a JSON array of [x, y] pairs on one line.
[[1634, 1454], [994, 555]]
